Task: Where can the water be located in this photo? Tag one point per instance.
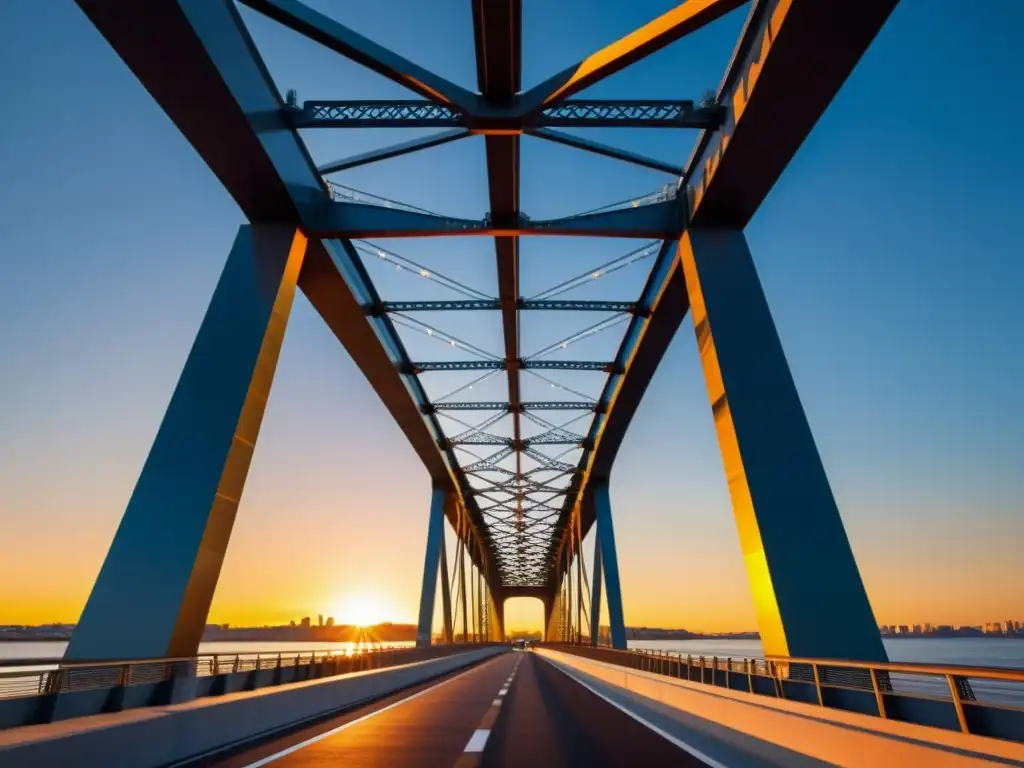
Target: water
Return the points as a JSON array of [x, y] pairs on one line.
[[54, 649], [970, 652]]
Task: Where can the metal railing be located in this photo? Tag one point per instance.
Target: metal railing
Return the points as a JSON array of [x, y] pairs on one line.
[[33, 677], [984, 700]]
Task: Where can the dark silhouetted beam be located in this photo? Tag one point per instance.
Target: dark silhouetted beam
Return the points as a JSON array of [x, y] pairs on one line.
[[496, 405], [685, 18], [493, 365], [768, 118], [497, 36], [328, 219], [419, 113], [395, 150], [375, 113], [603, 149], [605, 113], [524, 304], [331, 34]]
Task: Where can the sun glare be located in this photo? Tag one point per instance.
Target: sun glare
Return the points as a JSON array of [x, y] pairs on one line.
[[361, 610]]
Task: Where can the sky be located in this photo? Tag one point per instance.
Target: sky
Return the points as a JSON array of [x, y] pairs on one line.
[[889, 251]]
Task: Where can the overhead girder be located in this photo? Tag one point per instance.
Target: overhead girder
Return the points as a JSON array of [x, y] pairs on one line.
[[565, 305], [329, 219], [749, 133], [506, 117], [522, 364]]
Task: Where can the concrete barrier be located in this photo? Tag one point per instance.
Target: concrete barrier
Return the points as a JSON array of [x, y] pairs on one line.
[[759, 727], [160, 736]]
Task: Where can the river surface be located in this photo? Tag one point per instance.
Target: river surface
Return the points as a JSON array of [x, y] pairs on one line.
[[54, 649]]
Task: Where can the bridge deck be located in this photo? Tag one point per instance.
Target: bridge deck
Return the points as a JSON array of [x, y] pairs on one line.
[[544, 719]]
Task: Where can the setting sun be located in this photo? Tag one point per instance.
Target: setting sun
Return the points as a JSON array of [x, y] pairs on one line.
[[363, 610]]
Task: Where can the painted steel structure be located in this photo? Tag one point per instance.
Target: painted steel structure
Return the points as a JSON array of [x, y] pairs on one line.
[[521, 511]]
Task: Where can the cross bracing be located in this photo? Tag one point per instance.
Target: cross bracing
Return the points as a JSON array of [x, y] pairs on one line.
[[735, 143]]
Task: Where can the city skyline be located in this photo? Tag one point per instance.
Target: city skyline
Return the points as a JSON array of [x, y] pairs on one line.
[[860, 247]]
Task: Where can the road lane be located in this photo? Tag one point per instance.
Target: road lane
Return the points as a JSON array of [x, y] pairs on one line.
[[547, 719], [427, 725]]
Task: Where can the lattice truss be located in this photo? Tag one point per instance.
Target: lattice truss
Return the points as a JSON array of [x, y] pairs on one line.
[[517, 462]]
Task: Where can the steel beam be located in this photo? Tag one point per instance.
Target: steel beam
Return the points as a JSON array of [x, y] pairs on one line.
[[431, 565], [779, 83], [505, 118], [568, 140], [558, 305], [492, 365], [497, 36], [339, 38], [595, 594], [153, 593], [395, 150], [327, 219], [808, 593], [685, 18], [446, 595], [610, 564]]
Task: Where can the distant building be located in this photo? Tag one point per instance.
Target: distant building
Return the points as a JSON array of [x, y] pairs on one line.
[[293, 624], [884, 629], [330, 621], [928, 628], [321, 620], [904, 629], [305, 622], [917, 629], [1011, 626]]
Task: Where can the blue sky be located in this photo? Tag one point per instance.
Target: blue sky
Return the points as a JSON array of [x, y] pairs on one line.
[[889, 252]]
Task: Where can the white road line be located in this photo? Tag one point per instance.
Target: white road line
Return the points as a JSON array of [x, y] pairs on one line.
[[664, 734], [503, 691], [496, 703], [319, 737], [477, 741]]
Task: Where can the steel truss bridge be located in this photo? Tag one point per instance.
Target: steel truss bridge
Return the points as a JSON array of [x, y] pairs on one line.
[[520, 501]]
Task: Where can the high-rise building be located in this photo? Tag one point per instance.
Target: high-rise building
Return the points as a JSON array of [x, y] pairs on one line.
[[884, 629], [305, 622], [321, 619], [1010, 627], [917, 629], [928, 628], [904, 629], [330, 621]]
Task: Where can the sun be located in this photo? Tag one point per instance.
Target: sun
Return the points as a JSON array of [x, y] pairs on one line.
[[361, 610]]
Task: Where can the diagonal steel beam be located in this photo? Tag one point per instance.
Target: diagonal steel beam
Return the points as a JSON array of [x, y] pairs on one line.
[[339, 38], [685, 18], [729, 175], [395, 150], [597, 148]]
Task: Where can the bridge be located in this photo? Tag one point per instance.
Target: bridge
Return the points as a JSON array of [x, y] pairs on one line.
[[520, 481]]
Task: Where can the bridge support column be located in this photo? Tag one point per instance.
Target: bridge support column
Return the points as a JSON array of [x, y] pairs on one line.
[[595, 593], [552, 606], [435, 545], [446, 593], [153, 593], [609, 564], [808, 593]]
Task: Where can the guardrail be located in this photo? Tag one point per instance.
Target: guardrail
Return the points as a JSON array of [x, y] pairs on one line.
[[35, 677], [986, 701]]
